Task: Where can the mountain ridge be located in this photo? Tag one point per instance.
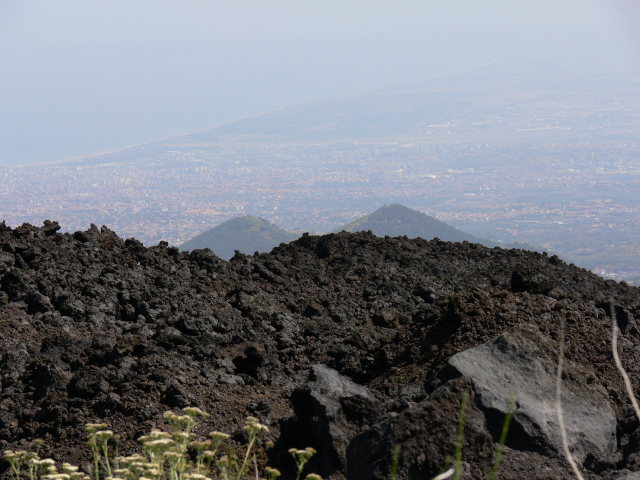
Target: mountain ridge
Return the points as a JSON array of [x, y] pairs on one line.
[[397, 220], [248, 234]]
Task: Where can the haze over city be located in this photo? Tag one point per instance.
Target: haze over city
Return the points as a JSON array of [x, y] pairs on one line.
[[516, 121], [81, 77]]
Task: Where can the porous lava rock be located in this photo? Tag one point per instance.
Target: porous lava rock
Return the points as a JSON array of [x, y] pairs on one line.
[[96, 327], [422, 435]]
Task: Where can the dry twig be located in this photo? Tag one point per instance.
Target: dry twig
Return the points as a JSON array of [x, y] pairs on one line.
[[563, 430], [616, 359]]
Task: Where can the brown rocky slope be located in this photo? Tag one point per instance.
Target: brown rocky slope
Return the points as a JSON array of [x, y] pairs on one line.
[[353, 332]]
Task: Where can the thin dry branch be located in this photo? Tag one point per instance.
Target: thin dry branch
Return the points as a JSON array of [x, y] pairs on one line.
[[563, 431], [448, 474], [616, 358]]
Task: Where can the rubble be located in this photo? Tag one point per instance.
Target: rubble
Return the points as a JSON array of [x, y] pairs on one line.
[[97, 328]]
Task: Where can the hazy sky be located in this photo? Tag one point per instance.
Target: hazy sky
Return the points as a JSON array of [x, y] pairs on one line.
[[83, 76]]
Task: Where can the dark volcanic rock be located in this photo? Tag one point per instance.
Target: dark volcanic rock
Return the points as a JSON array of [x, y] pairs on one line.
[[423, 435], [521, 364], [329, 410], [93, 327]]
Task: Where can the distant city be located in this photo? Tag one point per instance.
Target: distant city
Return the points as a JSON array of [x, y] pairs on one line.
[[561, 176]]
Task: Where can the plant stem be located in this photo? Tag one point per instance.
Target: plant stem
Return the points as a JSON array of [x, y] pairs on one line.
[[394, 469], [252, 438], [458, 459], [563, 430], [503, 436], [616, 358]]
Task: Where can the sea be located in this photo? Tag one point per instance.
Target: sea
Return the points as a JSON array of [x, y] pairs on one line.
[[66, 103]]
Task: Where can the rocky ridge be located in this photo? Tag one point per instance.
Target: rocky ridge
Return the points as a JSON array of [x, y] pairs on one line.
[[352, 343]]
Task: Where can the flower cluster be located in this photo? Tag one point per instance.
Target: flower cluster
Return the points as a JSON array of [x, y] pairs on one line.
[[37, 468], [176, 454]]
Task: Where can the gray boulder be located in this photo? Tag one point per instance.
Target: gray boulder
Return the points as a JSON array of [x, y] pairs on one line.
[[524, 361], [330, 409]]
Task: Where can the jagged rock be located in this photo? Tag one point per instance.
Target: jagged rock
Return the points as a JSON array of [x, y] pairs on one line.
[[329, 410], [49, 227], [96, 328], [7, 260], [425, 436], [528, 465], [532, 281], [522, 363]]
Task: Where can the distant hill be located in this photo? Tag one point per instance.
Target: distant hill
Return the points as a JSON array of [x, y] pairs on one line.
[[247, 234], [398, 220]]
